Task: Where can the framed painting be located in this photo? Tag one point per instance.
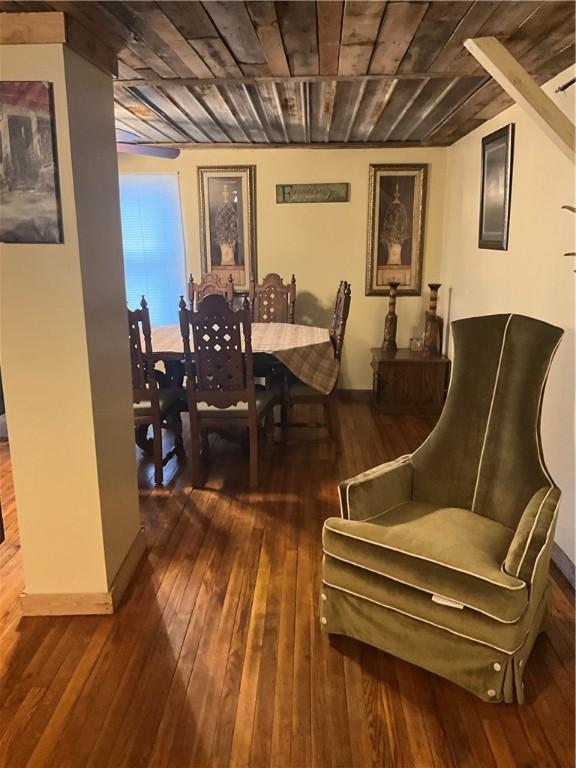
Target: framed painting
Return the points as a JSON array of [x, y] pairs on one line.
[[228, 222], [396, 213], [29, 184], [497, 156]]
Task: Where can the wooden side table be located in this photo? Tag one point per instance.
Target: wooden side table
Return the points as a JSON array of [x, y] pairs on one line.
[[406, 382]]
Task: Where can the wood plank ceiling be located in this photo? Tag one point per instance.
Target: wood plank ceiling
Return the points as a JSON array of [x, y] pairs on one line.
[[276, 73]]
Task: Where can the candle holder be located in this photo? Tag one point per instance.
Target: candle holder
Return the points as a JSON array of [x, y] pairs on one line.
[[389, 343], [431, 344]]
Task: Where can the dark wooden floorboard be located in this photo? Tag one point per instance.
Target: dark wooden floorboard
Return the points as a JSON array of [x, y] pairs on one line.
[[216, 657]]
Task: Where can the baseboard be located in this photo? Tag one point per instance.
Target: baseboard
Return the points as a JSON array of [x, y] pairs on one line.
[[564, 564], [82, 604], [76, 604], [355, 395]]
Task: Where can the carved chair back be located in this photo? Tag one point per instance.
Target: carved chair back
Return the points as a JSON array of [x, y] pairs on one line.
[[220, 369], [144, 385], [337, 327], [272, 301], [211, 283]]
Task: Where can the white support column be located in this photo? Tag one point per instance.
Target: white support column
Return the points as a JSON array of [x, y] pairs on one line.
[[525, 91], [65, 359]]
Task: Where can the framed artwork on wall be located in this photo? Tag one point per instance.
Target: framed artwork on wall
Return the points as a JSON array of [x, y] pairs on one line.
[[29, 183], [497, 157], [338, 192], [228, 222], [396, 214]]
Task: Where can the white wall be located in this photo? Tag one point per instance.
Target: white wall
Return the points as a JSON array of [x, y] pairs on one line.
[[65, 352], [532, 277]]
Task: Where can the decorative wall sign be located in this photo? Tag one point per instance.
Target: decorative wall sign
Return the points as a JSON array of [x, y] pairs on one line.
[[29, 186], [396, 212], [497, 155], [228, 222], [312, 193]]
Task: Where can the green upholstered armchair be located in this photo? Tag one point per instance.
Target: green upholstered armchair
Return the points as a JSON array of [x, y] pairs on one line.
[[441, 557]]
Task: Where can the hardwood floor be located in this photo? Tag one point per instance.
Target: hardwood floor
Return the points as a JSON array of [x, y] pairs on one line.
[[216, 657]]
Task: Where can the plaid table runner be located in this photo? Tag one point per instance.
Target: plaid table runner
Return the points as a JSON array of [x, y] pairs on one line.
[[305, 350]]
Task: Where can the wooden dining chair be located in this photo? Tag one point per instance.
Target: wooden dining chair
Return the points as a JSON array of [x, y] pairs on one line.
[[211, 283], [152, 406], [220, 378], [295, 392], [272, 301]]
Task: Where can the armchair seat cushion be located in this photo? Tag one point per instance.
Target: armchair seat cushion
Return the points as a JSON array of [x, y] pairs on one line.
[[451, 553], [464, 622], [168, 398]]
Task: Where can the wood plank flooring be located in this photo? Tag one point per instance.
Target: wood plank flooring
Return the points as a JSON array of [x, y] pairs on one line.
[[216, 657]]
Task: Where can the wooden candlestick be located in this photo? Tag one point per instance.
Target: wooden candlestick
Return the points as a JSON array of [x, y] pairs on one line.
[[389, 343], [431, 344]]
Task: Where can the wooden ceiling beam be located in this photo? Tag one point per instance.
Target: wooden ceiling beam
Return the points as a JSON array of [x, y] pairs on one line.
[[55, 27], [191, 81], [513, 78], [300, 145]]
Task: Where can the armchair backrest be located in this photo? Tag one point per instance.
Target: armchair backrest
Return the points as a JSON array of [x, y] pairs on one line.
[[485, 453]]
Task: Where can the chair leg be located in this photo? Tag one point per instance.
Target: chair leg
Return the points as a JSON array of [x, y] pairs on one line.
[[253, 431], [178, 442], [157, 443], [284, 404]]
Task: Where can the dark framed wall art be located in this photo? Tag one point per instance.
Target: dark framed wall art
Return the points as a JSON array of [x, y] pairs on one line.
[[396, 215], [496, 189], [29, 182], [228, 222]]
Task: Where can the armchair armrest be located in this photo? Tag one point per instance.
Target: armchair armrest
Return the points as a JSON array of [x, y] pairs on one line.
[[376, 490], [532, 533]]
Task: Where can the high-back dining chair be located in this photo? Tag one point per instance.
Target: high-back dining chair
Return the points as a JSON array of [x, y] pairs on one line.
[[441, 557], [272, 301], [220, 377], [211, 283], [339, 319], [152, 406], [295, 392]]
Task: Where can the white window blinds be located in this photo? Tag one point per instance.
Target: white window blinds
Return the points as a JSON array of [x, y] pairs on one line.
[[154, 260]]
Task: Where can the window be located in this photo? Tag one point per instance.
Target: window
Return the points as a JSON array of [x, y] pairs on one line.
[[154, 260]]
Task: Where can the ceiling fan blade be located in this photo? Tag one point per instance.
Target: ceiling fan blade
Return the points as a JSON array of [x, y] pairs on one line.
[[143, 149]]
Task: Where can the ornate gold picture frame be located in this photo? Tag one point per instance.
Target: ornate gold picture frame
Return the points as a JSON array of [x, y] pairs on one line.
[[396, 214], [228, 222]]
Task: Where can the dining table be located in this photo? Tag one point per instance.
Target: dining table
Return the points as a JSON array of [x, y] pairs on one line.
[[305, 350]]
